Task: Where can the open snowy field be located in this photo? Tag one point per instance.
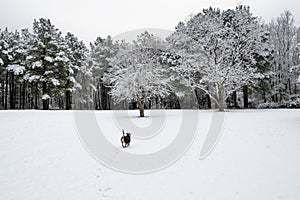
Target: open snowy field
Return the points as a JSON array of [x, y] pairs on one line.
[[256, 157]]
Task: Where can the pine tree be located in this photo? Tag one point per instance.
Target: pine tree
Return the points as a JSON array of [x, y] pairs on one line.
[[101, 51], [13, 67], [47, 60], [76, 53]]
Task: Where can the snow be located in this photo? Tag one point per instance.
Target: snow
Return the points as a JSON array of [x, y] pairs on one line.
[[32, 78], [136, 62], [49, 59], [36, 64], [257, 157], [72, 79], [55, 82], [45, 96], [29, 57], [17, 69], [217, 51], [1, 62]]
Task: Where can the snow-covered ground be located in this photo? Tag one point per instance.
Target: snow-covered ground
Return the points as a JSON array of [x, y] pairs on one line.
[[257, 157]]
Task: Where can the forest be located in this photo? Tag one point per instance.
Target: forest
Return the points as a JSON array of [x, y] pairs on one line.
[[215, 59]]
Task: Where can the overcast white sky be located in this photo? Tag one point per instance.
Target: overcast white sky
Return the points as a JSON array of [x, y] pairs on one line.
[[88, 19]]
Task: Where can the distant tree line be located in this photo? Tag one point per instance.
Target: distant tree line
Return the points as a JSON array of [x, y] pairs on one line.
[[216, 59]]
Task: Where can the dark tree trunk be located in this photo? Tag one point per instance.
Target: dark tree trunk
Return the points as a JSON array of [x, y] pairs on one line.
[[68, 100], [105, 100], [36, 96], [108, 103], [6, 90], [2, 93], [289, 86], [12, 92], [68, 96], [208, 101], [234, 98], [264, 97], [61, 103], [24, 95], [20, 95], [45, 100], [245, 95], [98, 96], [95, 100], [45, 104]]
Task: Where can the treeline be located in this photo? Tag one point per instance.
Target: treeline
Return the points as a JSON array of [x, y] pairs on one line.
[[45, 69]]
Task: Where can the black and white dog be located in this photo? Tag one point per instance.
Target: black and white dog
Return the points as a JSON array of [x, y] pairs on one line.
[[125, 139]]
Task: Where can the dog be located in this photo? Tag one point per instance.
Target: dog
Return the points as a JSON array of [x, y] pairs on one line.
[[125, 139]]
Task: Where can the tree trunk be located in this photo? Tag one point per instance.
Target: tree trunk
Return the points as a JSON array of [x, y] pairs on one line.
[[221, 105], [198, 97], [2, 93], [36, 96], [234, 96], [45, 104], [6, 91], [105, 101], [221, 98], [68, 97], [95, 100], [98, 96], [68, 100], [61, 103], [12, 92], [24, 95], [141, 104], [45, 101], [289, 86], [20, 95], [142, 109], [264, 97], [245, 95], [208, 101]]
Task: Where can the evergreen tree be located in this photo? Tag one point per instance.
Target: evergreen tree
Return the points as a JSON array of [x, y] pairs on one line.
[[76, 53], [47, 60], [101, 51]]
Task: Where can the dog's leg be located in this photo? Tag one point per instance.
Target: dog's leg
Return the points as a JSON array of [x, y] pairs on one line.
[[123, 142]]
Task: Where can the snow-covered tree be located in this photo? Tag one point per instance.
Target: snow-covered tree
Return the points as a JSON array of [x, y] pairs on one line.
[[217, 50], [296, 68], [47, 60], [76, 52], [11, 60], [83, 96], [101, 51], [136, 73], [283, 35]]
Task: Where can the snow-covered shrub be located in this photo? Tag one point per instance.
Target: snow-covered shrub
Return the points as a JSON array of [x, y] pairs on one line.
[[283, 104]]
